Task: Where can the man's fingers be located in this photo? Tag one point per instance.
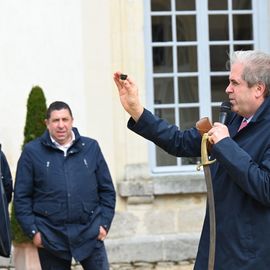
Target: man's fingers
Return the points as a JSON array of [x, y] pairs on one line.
[[118, 84]]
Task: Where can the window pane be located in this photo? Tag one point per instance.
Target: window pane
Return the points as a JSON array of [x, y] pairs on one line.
[[163, 90], [160, 5], [217, 4], [191, 161], [167, 114], [188, 119], [243, 47], [218, 57], [242, 4], [215, 114], [161, 28], [185, 5], [164, 159], [187, 59], [218, 87], [186, 28], [218, 27], [162, 59], [242, 27], [188, 89]]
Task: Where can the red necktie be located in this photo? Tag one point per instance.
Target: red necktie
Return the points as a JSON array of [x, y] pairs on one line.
[[243, 124]]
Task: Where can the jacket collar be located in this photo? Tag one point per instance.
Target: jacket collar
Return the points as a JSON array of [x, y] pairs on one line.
[[263, 111], [261, 114], [46, 139]]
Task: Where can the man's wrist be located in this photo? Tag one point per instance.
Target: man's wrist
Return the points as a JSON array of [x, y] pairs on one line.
[[137, 114]]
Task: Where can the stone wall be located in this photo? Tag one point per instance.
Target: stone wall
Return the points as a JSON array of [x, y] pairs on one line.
[[6, 263], [160, 224]]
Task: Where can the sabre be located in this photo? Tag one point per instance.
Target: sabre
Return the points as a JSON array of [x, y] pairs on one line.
[[203, 126], [205, 163]]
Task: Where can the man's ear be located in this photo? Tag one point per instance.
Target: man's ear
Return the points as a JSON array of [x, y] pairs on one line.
[[260, 89]]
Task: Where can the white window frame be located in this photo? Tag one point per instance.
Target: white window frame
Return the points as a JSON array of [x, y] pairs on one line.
[[261, 21]]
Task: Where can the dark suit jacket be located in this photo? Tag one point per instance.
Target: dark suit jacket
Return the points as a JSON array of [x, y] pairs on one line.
[[6, 177], [5, 198], [241, 183]]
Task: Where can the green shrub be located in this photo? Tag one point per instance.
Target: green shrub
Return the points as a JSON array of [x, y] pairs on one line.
[[34, 127]]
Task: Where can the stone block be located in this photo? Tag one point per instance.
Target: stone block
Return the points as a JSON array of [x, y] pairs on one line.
[[177, 184], [160, 221], [153, 248], [124, 224], [135, 188]]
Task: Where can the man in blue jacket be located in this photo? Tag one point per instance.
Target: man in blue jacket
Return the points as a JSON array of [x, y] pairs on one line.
[[241, 175], [64, 196]]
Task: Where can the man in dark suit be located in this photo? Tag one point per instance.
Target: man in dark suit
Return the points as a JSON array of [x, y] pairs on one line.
[[5, 198], [241, 174], [6, 176], [64, 196]]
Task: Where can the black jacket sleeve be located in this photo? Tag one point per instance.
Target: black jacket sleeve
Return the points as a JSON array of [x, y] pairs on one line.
[[6, 177]]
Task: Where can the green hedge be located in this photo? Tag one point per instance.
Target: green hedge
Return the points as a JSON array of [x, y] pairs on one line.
[[34, 127]]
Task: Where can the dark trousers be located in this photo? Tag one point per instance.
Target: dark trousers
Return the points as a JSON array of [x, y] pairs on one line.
[[96, 261]]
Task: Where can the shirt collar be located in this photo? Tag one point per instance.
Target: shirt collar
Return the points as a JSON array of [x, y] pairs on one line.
[[247, 119], [65, 145]]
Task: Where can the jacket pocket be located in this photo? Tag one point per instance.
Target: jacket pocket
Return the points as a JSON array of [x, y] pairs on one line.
[[89, 213], [51, 211]]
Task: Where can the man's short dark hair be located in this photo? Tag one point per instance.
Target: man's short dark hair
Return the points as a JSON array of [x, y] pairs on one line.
[[56, 106]]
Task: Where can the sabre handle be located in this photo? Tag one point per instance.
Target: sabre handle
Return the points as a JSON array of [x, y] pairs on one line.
[[204, 152]]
